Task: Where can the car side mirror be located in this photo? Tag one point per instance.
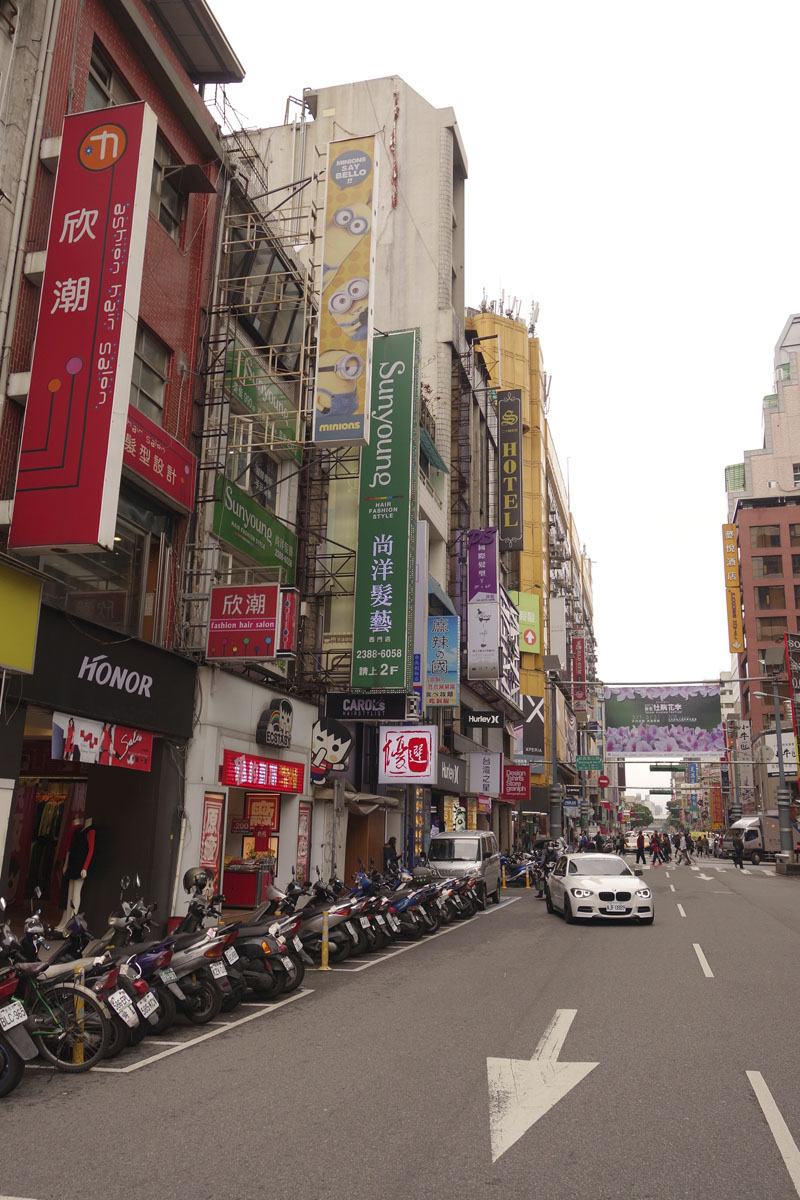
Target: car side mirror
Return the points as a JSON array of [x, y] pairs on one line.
[[639, 872]]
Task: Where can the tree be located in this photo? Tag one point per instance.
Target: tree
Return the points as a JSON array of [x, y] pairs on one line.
[[641, 815]]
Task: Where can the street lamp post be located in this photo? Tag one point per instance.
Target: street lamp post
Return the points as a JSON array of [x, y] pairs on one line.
[[773, 658]]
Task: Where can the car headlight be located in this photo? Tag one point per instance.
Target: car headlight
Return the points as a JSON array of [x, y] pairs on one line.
[[644, 893], [580, 893]]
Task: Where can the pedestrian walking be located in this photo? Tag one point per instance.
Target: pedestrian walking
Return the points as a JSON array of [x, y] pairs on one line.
[[738, 851], [685, 853], [666, 848], [655, 850], [640, 854]]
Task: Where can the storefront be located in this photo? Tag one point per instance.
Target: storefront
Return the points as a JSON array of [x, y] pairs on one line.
[[250, 816], [94, 740]]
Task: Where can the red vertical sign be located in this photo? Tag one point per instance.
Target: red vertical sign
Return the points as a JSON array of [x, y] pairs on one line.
[[74, 433]]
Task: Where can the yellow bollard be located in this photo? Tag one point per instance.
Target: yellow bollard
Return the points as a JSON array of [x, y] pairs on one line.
[[78, 1043], [323, 966], [503, 876], [527, 877]]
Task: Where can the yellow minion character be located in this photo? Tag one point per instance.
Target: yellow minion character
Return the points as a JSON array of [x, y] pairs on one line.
[[337, 389]]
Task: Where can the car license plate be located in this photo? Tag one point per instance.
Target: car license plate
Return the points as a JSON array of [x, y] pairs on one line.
[[351, 931], [615, 908], [395, 924], [218, 970], [167, 975], [121, 1004], [231, 955], [12, 1014], [147, 1005], [365, 922], [379, 919], [298, 945]]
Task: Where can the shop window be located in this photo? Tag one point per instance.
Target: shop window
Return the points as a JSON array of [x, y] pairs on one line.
[[150, 374], [764, 536], [104, 87], [166, 202], [769, 628], [770, 597], [126, 588], [769, 564]]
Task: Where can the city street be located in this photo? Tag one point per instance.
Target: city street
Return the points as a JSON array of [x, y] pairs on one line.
[[374, 1079]]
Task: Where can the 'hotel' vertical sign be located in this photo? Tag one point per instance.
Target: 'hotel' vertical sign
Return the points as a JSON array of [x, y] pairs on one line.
[[509, 425], [73, 438]]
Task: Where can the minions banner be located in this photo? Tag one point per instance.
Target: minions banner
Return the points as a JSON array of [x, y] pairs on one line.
[[341, 392]]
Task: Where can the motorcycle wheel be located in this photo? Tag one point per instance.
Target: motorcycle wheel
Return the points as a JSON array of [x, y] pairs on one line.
[[168, 1009], [265, 984], [412, 932], [137, 1034], [236, 995], [205, 1005], [294, 980], [432, 921], [71, 1028], [118, 1038], [12, 1068]]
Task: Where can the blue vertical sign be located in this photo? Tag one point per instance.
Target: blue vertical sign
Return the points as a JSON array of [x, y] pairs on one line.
[[444, 658]]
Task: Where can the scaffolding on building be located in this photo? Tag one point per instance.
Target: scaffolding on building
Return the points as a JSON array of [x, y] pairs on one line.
[[256, 395]]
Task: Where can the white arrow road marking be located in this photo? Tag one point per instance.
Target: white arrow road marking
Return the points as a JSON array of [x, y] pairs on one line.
[[702, 876], [778, 1127], [709, 974], [522, 1090]]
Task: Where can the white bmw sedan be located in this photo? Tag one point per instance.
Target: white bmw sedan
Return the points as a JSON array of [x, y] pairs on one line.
[[582, 886]]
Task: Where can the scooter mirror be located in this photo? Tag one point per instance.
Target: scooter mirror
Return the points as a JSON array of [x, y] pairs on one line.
[[125, 882], [138, 882], [2, 904]]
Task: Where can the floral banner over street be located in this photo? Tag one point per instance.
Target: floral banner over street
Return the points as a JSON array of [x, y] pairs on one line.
[[664, 720]]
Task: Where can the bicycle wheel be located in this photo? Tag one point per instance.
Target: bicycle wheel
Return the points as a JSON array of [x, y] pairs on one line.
[[69, 1026]]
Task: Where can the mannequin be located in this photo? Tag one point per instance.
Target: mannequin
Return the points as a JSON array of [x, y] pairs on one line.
[[76, 868]]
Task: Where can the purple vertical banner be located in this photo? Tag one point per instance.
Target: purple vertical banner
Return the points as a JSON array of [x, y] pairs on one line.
[[482, 565]]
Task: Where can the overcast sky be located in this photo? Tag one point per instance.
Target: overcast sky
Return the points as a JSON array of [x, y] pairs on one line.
[[633, 168]]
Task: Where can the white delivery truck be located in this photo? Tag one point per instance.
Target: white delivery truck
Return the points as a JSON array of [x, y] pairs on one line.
[[761, 836]]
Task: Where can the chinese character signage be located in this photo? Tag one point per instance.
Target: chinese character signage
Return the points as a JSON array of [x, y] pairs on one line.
[[211, 832], [385, 556], [77, 740], [248, 383], [508, 683], [509, 430], [530, 637], [656, 720], [483, 572], [287, 623], [342, 388], [485, 773], [263, 812], [578, 672], [733, 588], [407, 754], [243, 622], [269, 774], [160, 462], [74, 433], [443, 659], [516, 783], [483, 640], [241, 522]]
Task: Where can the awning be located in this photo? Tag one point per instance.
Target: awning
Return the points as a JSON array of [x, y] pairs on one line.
[[362, 803], [429, 446], [441, 595]]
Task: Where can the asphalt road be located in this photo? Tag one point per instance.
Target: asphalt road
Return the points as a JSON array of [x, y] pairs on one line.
[[374, 1080]]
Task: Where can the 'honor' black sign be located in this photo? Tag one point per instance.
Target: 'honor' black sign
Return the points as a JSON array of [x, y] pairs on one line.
[[94, 672], [378, 706]]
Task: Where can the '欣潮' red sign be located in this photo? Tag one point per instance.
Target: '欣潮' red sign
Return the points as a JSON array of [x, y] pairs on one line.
[[243, 622], [251, 771], [73, 438]]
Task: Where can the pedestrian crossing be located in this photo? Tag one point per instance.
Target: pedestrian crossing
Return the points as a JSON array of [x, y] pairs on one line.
[[767, 869]]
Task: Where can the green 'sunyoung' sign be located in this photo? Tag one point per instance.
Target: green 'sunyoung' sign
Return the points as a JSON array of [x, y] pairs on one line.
[[386, 501]]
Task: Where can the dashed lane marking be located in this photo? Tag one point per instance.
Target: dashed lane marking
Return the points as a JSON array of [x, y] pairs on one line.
[[777, 1126], [709, 974]]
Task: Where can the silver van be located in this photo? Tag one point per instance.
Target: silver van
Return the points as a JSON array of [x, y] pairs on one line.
[[467, 852]]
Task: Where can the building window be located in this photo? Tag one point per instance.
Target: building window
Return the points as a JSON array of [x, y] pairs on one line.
[[150, 373], [104, 87], [796, 596], [770, 564], [770, 597], [796, 474], [796, 564], [783, 372], [166, 202], [770, 628], [764, 536], [794, 535]]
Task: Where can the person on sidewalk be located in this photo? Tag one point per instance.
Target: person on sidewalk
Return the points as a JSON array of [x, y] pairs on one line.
[[640, 854], [738, 851]]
